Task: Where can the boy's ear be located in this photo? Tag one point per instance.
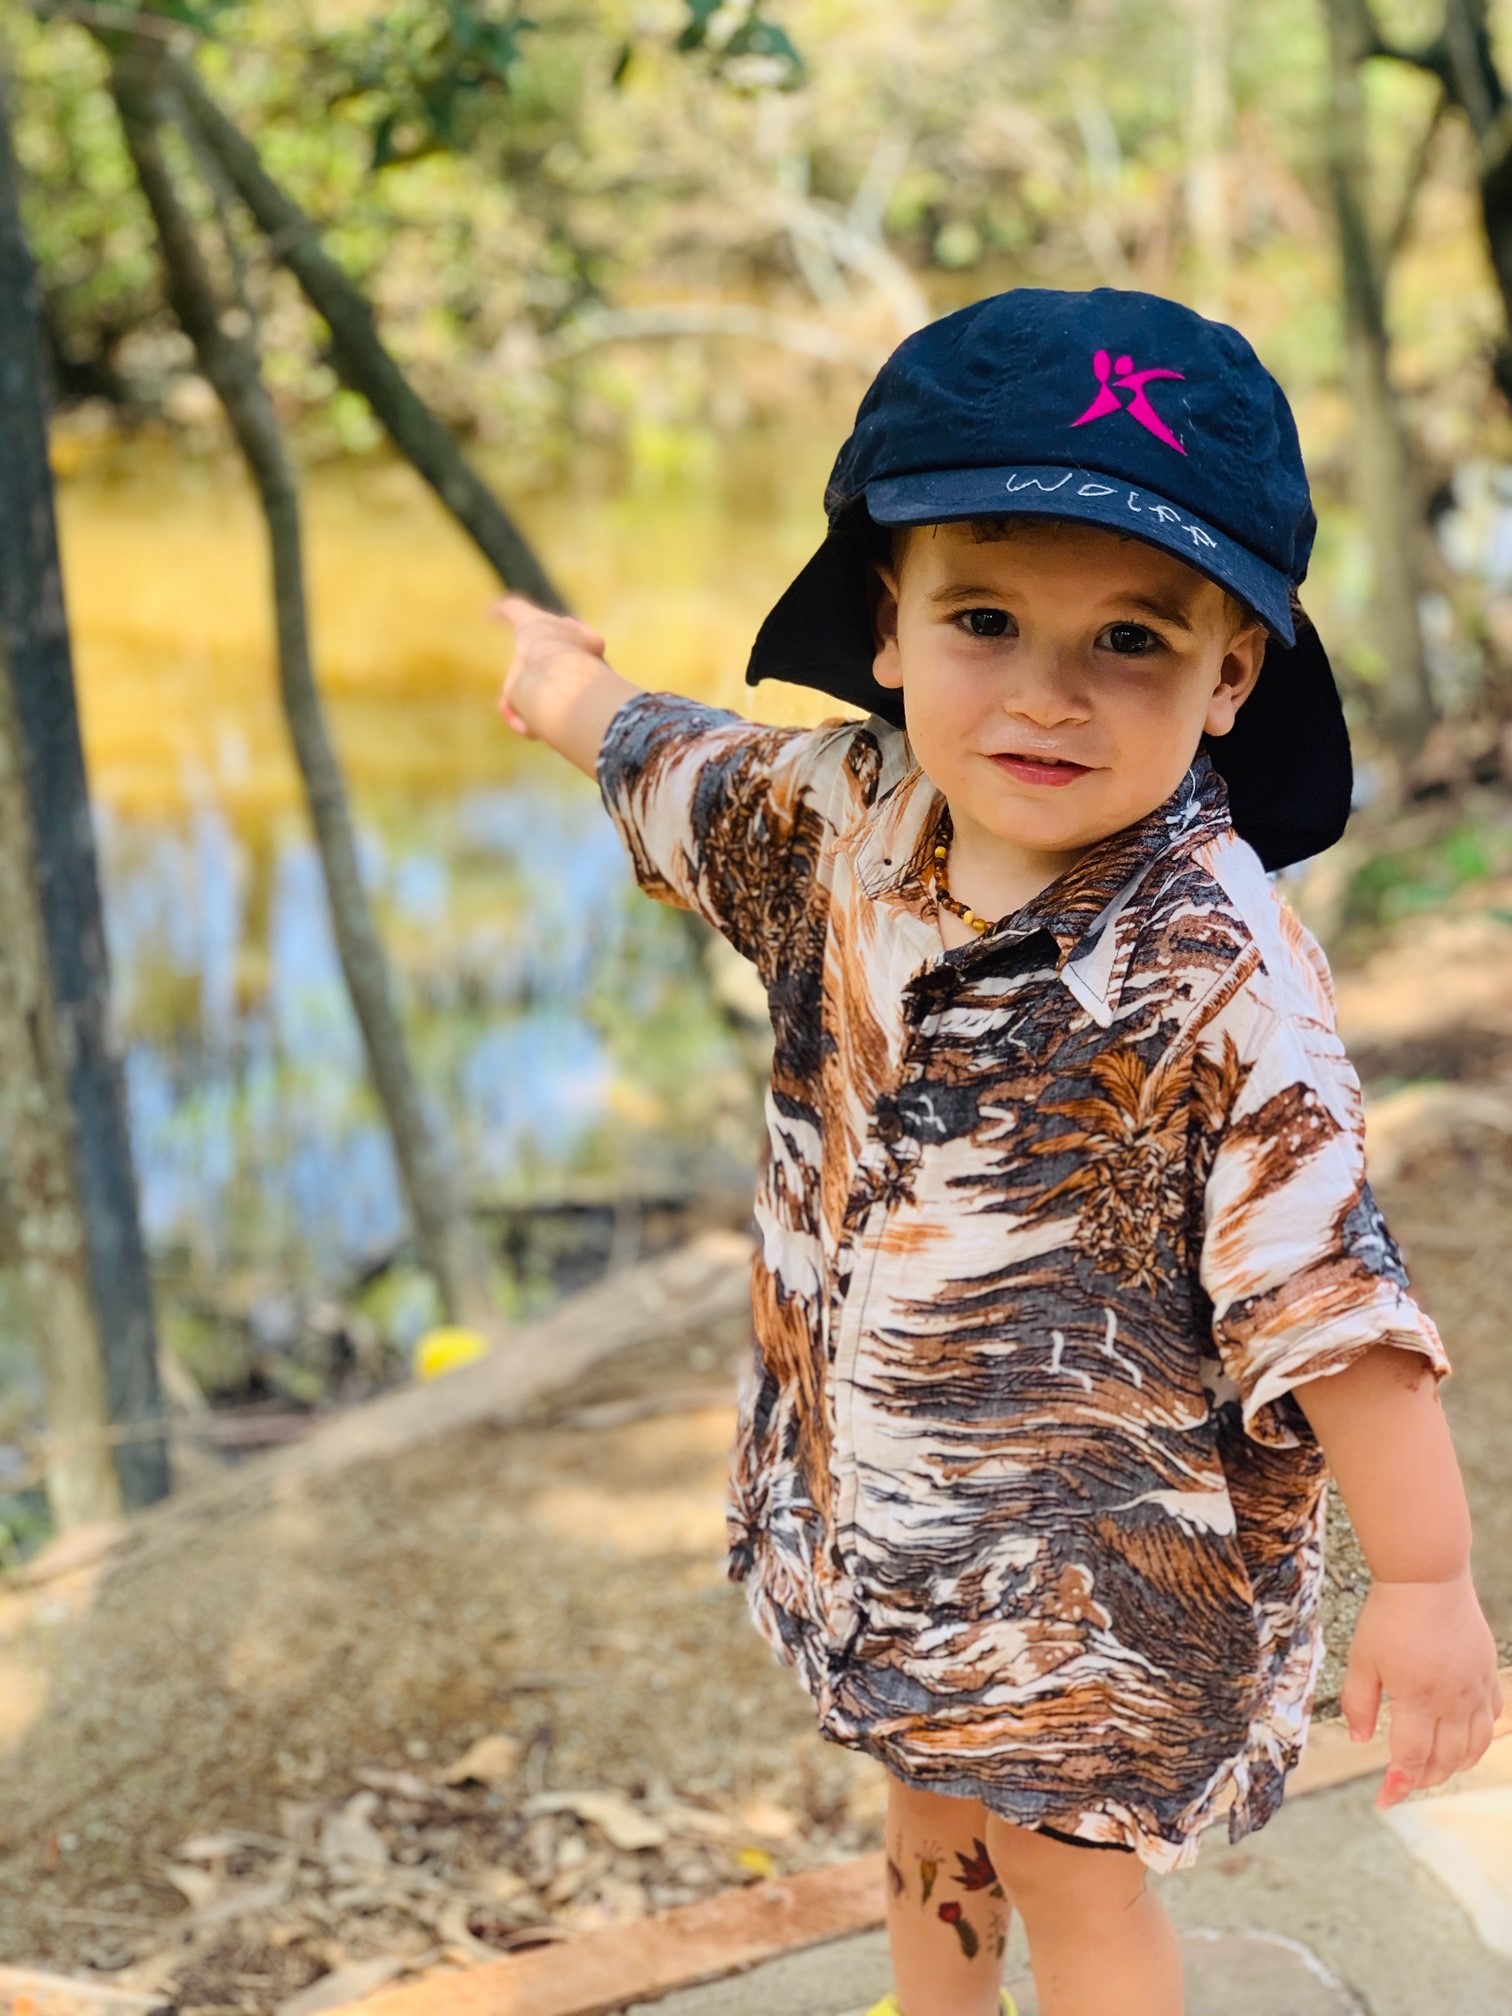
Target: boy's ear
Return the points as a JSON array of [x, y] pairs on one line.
[[1236, 677], [887, 666]]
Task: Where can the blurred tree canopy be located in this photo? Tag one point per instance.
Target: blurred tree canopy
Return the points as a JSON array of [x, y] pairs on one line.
[[496, 175], [622, 221]]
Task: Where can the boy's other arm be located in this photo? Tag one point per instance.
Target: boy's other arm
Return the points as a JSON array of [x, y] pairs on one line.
[[559, 689], [1421, 1634]]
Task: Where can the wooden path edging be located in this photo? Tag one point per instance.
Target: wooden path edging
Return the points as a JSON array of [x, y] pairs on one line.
[[642, 1959], [649, 1957]]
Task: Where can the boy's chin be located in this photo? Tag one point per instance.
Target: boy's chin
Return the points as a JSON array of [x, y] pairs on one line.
[[1058, 826]]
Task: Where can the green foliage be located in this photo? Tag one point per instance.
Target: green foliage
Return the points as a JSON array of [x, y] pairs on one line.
[[746, 46], [418, 77], [204, 16], [543, 163], [1402, 882]]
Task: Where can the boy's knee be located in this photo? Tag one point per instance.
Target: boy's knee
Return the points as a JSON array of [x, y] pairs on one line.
[[1043, 1875]]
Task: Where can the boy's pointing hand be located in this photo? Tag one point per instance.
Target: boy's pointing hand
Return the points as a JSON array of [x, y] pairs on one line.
[[559, 688], [545, 644], [1429, 1647]]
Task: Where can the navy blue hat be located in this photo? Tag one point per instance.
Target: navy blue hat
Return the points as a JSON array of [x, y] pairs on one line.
[[1119, 409]]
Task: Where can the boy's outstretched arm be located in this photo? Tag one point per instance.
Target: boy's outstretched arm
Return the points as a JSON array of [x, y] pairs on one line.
[[559, 689], [1421, 1635]]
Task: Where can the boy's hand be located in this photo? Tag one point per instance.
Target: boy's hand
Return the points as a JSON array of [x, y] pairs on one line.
[[559, 688], [547, 646], [1428, 1645]]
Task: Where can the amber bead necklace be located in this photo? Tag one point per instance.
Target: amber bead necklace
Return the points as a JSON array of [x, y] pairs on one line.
[[943, 837]]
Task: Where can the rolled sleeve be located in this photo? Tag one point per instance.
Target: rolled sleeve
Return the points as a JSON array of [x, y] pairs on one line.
[[1303, 1274], [723, 816]]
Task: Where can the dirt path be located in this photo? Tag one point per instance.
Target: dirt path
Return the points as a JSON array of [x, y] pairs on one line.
[[221, 1761]]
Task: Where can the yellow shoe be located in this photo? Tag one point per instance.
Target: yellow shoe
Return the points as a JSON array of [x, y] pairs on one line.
[[888, 2006]]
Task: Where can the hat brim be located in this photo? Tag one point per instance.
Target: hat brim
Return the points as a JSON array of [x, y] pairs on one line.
[[935, 496], [1286, 760]]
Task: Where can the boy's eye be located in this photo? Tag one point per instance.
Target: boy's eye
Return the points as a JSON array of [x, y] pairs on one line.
[[1131, 640], [987, 622]]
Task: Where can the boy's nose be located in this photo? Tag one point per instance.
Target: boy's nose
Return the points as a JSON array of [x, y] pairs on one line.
[[1045, 687]]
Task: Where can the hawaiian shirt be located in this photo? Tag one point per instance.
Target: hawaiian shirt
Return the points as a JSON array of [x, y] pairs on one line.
[[1050, 1226]]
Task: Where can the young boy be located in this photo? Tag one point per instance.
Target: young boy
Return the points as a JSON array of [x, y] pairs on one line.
[[1070, 1289]]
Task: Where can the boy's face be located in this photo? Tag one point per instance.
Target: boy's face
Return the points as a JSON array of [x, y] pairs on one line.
[[1057, 680]]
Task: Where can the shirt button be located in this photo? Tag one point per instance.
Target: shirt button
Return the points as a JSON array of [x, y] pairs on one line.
[[889, 1125]]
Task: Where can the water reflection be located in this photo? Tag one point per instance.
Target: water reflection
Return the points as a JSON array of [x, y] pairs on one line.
[[539, 988], [555, 1014]]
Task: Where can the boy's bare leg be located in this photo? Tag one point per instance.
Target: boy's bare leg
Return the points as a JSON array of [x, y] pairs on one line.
[[946, 1936], [1098, 1938]]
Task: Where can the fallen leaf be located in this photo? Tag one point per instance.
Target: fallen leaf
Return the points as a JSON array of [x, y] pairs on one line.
[[701, 1821], [350, 1836], [348, 1983], [756, 1860], [207, 1847], [613, 1902], [198, 1887], [492, 1760], [576, 1876], [453, 1928], [499, 1886], [405, 1784], [771, 1821], [622, 1823], [244, 1900]]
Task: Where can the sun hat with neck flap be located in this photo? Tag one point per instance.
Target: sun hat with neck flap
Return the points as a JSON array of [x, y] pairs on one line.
[[1114, 408]]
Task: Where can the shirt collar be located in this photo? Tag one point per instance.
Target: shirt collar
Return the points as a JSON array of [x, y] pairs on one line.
[[891, 857]]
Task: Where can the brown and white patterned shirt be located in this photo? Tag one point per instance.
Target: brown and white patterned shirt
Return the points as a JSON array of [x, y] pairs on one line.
[[1050, 1225]]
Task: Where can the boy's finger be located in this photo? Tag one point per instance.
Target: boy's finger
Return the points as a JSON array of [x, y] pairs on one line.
[[1412, 1734], [1394, 1788], [1478, 1738], [1450, 1746], [515, 608], [1360, 1702]]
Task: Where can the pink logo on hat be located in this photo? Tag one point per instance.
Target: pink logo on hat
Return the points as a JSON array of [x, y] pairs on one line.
[[1139, 407]]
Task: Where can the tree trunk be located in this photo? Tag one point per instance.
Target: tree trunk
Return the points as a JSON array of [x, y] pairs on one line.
[[1463, 58], [37, 1190], [358, 351], [1475, 83], [229, 360], [115, 1282], [1385, 474]]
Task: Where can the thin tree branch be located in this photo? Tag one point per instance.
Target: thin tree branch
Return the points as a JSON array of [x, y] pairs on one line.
[[222, 196], [1395, 236], [359, 352], [143, 85], [1431, 56], [707, 318]]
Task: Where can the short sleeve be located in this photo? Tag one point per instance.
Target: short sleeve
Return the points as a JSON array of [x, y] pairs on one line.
[[1302, 1273], [723, 816]]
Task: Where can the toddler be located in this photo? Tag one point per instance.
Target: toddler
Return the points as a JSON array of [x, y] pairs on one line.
[[1070, 1290]]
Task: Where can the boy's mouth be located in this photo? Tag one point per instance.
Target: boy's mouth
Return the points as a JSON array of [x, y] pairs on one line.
[[1040, 769]]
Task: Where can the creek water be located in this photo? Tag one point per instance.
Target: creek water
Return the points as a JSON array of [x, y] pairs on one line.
[[556, 1015]]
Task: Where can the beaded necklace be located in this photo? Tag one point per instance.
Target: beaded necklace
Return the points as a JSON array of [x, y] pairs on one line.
[[942, 894]]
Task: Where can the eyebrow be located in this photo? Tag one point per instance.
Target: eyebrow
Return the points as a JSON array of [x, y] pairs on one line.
[[1152, 605]]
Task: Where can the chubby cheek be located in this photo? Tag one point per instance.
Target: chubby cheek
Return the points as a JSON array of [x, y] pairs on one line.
[[947, 710], [943, 729]]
